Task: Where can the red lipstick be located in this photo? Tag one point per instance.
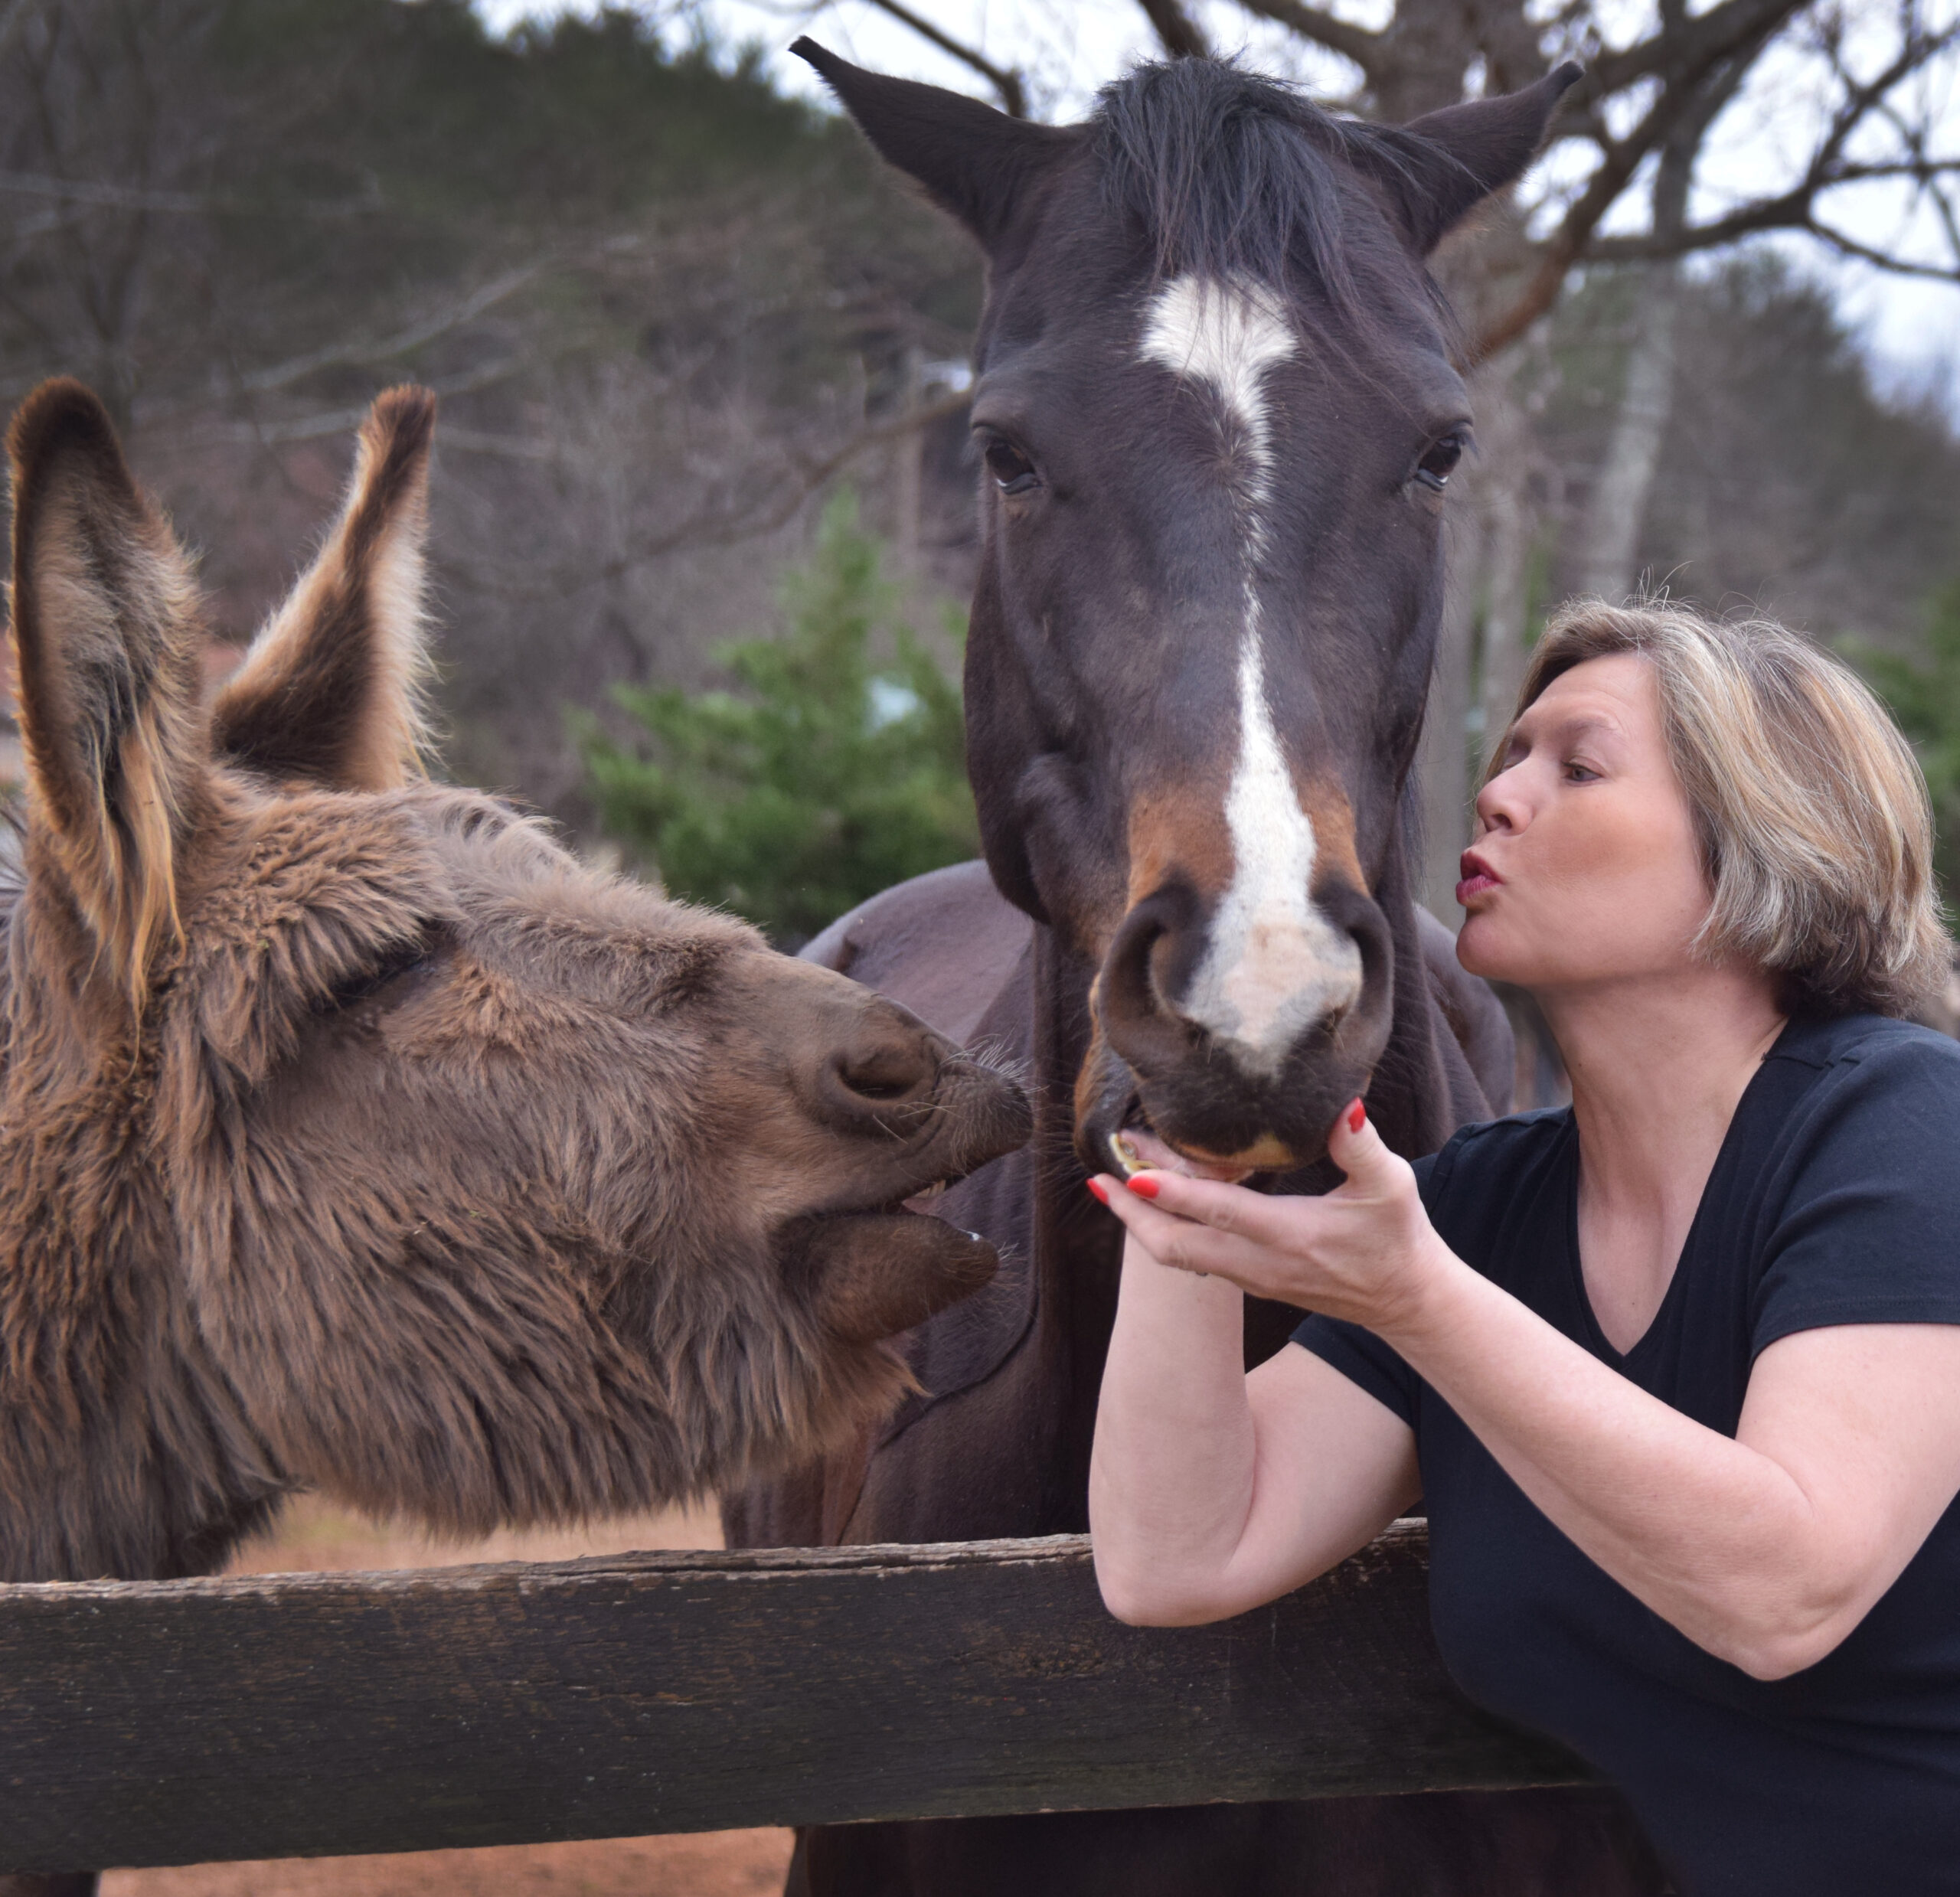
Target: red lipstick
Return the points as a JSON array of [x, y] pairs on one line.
[[1477, 876]]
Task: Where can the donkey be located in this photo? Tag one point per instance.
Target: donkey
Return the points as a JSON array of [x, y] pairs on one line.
[[1218, 415], [352, 1134]]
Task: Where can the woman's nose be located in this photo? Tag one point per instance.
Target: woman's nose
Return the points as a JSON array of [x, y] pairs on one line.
[[1499, 805]]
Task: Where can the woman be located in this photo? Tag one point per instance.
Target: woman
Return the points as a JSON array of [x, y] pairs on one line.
[[1675, 1371]]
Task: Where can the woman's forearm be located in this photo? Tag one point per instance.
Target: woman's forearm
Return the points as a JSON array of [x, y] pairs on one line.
[[1171, 1478], [1718, 1539]]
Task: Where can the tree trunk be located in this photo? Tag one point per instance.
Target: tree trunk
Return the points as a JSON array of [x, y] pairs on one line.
[[1619, 507], [1610, 544]]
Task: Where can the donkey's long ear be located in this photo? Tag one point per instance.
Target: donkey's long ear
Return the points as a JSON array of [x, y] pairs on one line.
[[1446, 163], [331, 691], [105, 629], [974, 162]]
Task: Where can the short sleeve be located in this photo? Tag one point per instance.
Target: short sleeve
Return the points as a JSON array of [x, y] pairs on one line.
[[1868, 1231], [1357, 1353]]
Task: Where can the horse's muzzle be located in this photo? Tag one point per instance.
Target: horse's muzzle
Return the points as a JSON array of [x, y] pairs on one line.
[[1211, 1094]]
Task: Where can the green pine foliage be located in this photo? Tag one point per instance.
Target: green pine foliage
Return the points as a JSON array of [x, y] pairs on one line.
[[825, 775], [1925, 697]]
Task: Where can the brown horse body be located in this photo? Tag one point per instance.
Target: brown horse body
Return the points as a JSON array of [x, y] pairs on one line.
[[354, 1136], [1214, 399]]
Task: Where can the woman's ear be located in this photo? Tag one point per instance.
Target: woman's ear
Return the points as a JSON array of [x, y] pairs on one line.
[[105, 629], [331, 691]]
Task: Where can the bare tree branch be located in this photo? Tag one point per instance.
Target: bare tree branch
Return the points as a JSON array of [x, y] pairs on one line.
[[720, 526], [73, 191], [1357, 43], [1177, 32], [348, 354], [1693, 48], [1004, 79], [341, 421]]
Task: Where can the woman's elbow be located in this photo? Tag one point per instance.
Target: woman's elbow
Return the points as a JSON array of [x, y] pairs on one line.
[[1774, 1646], [1147, 1599]]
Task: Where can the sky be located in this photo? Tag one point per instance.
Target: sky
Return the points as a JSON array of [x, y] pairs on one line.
[[1911, 328]]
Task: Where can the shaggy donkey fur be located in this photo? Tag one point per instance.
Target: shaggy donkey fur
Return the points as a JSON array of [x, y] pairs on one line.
[[353, 1135]]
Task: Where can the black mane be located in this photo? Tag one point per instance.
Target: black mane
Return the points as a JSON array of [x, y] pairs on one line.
[[1234, 175]]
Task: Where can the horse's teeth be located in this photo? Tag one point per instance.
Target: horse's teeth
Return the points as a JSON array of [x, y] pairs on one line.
[[1128, 1161]]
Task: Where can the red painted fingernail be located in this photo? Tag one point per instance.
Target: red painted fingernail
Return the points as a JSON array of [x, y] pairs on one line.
[[1098, 1190], [1143, 1184], [1357, 1117]]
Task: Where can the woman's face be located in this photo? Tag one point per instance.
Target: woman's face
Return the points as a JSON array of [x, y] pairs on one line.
[[1585, 868]]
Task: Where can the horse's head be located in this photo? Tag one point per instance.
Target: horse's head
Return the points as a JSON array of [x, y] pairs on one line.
[[447, 1173], [1218, 413]]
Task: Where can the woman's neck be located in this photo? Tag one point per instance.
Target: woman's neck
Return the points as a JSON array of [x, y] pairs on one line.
[[1659, 1065]]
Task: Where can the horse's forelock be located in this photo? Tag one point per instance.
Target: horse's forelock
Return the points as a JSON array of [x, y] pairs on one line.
[[1233, 176]]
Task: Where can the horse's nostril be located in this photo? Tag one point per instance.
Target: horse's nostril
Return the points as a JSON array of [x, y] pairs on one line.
[[1146, 956]]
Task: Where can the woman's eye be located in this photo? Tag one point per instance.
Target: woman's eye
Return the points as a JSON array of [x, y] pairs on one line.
[[1435, 468], [1580, 773], [1013, 472]]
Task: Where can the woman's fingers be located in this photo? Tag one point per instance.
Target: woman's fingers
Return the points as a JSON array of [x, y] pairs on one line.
[[1232, 1209], [1181, 1242], [1358, 1149]]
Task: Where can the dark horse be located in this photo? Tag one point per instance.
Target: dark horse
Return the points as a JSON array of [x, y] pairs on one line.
[[1218, 415]]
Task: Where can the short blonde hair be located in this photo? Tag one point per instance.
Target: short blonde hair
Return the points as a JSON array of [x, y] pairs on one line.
[[1815, 828]]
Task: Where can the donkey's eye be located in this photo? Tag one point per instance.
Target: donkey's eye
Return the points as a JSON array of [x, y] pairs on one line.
[[403, 959], [1013, 472], [1434, 469]]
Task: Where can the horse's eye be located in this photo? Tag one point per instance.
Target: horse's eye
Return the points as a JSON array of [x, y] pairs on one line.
[[1436, 468], [1013, 472]]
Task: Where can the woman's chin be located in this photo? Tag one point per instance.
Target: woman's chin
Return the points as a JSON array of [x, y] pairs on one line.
[[1480, 950]]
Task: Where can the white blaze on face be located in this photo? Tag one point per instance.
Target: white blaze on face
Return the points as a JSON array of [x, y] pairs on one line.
[[1274, 965]]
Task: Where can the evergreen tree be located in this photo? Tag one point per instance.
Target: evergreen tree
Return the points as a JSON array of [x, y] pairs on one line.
[[823, 777], [1925, 697]]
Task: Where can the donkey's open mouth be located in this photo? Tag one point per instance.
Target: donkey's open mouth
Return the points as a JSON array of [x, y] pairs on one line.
[[873, 1270], [874, 1273]]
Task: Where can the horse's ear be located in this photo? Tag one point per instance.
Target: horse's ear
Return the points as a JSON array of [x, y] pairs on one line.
[[331, 692], [973, 162], [105, 630], [1446, 163]]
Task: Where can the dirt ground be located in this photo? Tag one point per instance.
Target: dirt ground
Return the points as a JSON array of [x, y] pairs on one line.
[[313, 1535]]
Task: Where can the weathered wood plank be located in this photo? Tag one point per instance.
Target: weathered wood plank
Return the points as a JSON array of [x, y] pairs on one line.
[[178, 1723]]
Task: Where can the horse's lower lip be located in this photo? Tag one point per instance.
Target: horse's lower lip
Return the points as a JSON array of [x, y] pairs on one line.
[[1137, 1147]]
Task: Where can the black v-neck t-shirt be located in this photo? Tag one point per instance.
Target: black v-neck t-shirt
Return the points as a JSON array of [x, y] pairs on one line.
[[1835, 1199]]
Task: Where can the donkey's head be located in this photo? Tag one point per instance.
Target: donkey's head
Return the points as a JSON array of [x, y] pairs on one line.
[[467, 1182], [1218, 413]]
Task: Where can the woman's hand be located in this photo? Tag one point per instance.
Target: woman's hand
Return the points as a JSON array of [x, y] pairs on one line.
[[1365, 1251]]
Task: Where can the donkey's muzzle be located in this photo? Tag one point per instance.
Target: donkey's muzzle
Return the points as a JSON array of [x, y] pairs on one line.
[[1244, 1066]]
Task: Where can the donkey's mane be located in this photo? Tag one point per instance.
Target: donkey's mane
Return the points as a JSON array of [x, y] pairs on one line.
[[1232, 175]]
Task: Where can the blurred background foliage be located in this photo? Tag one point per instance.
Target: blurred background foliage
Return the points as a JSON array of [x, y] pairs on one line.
[[1924, 694], [672, 313], [822, 778]]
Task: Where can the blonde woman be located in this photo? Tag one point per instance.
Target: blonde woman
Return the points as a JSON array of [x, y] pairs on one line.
[[1675, 1371]]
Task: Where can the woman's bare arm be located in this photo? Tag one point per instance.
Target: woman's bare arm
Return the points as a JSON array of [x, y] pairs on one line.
[[1766, 1549], [1211, 1490]]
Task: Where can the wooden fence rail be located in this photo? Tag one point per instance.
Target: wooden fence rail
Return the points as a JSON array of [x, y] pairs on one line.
[[182, 1722]]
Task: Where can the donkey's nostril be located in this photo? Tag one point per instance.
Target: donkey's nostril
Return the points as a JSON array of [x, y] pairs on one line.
[[881, 1066], [880, 1078]]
